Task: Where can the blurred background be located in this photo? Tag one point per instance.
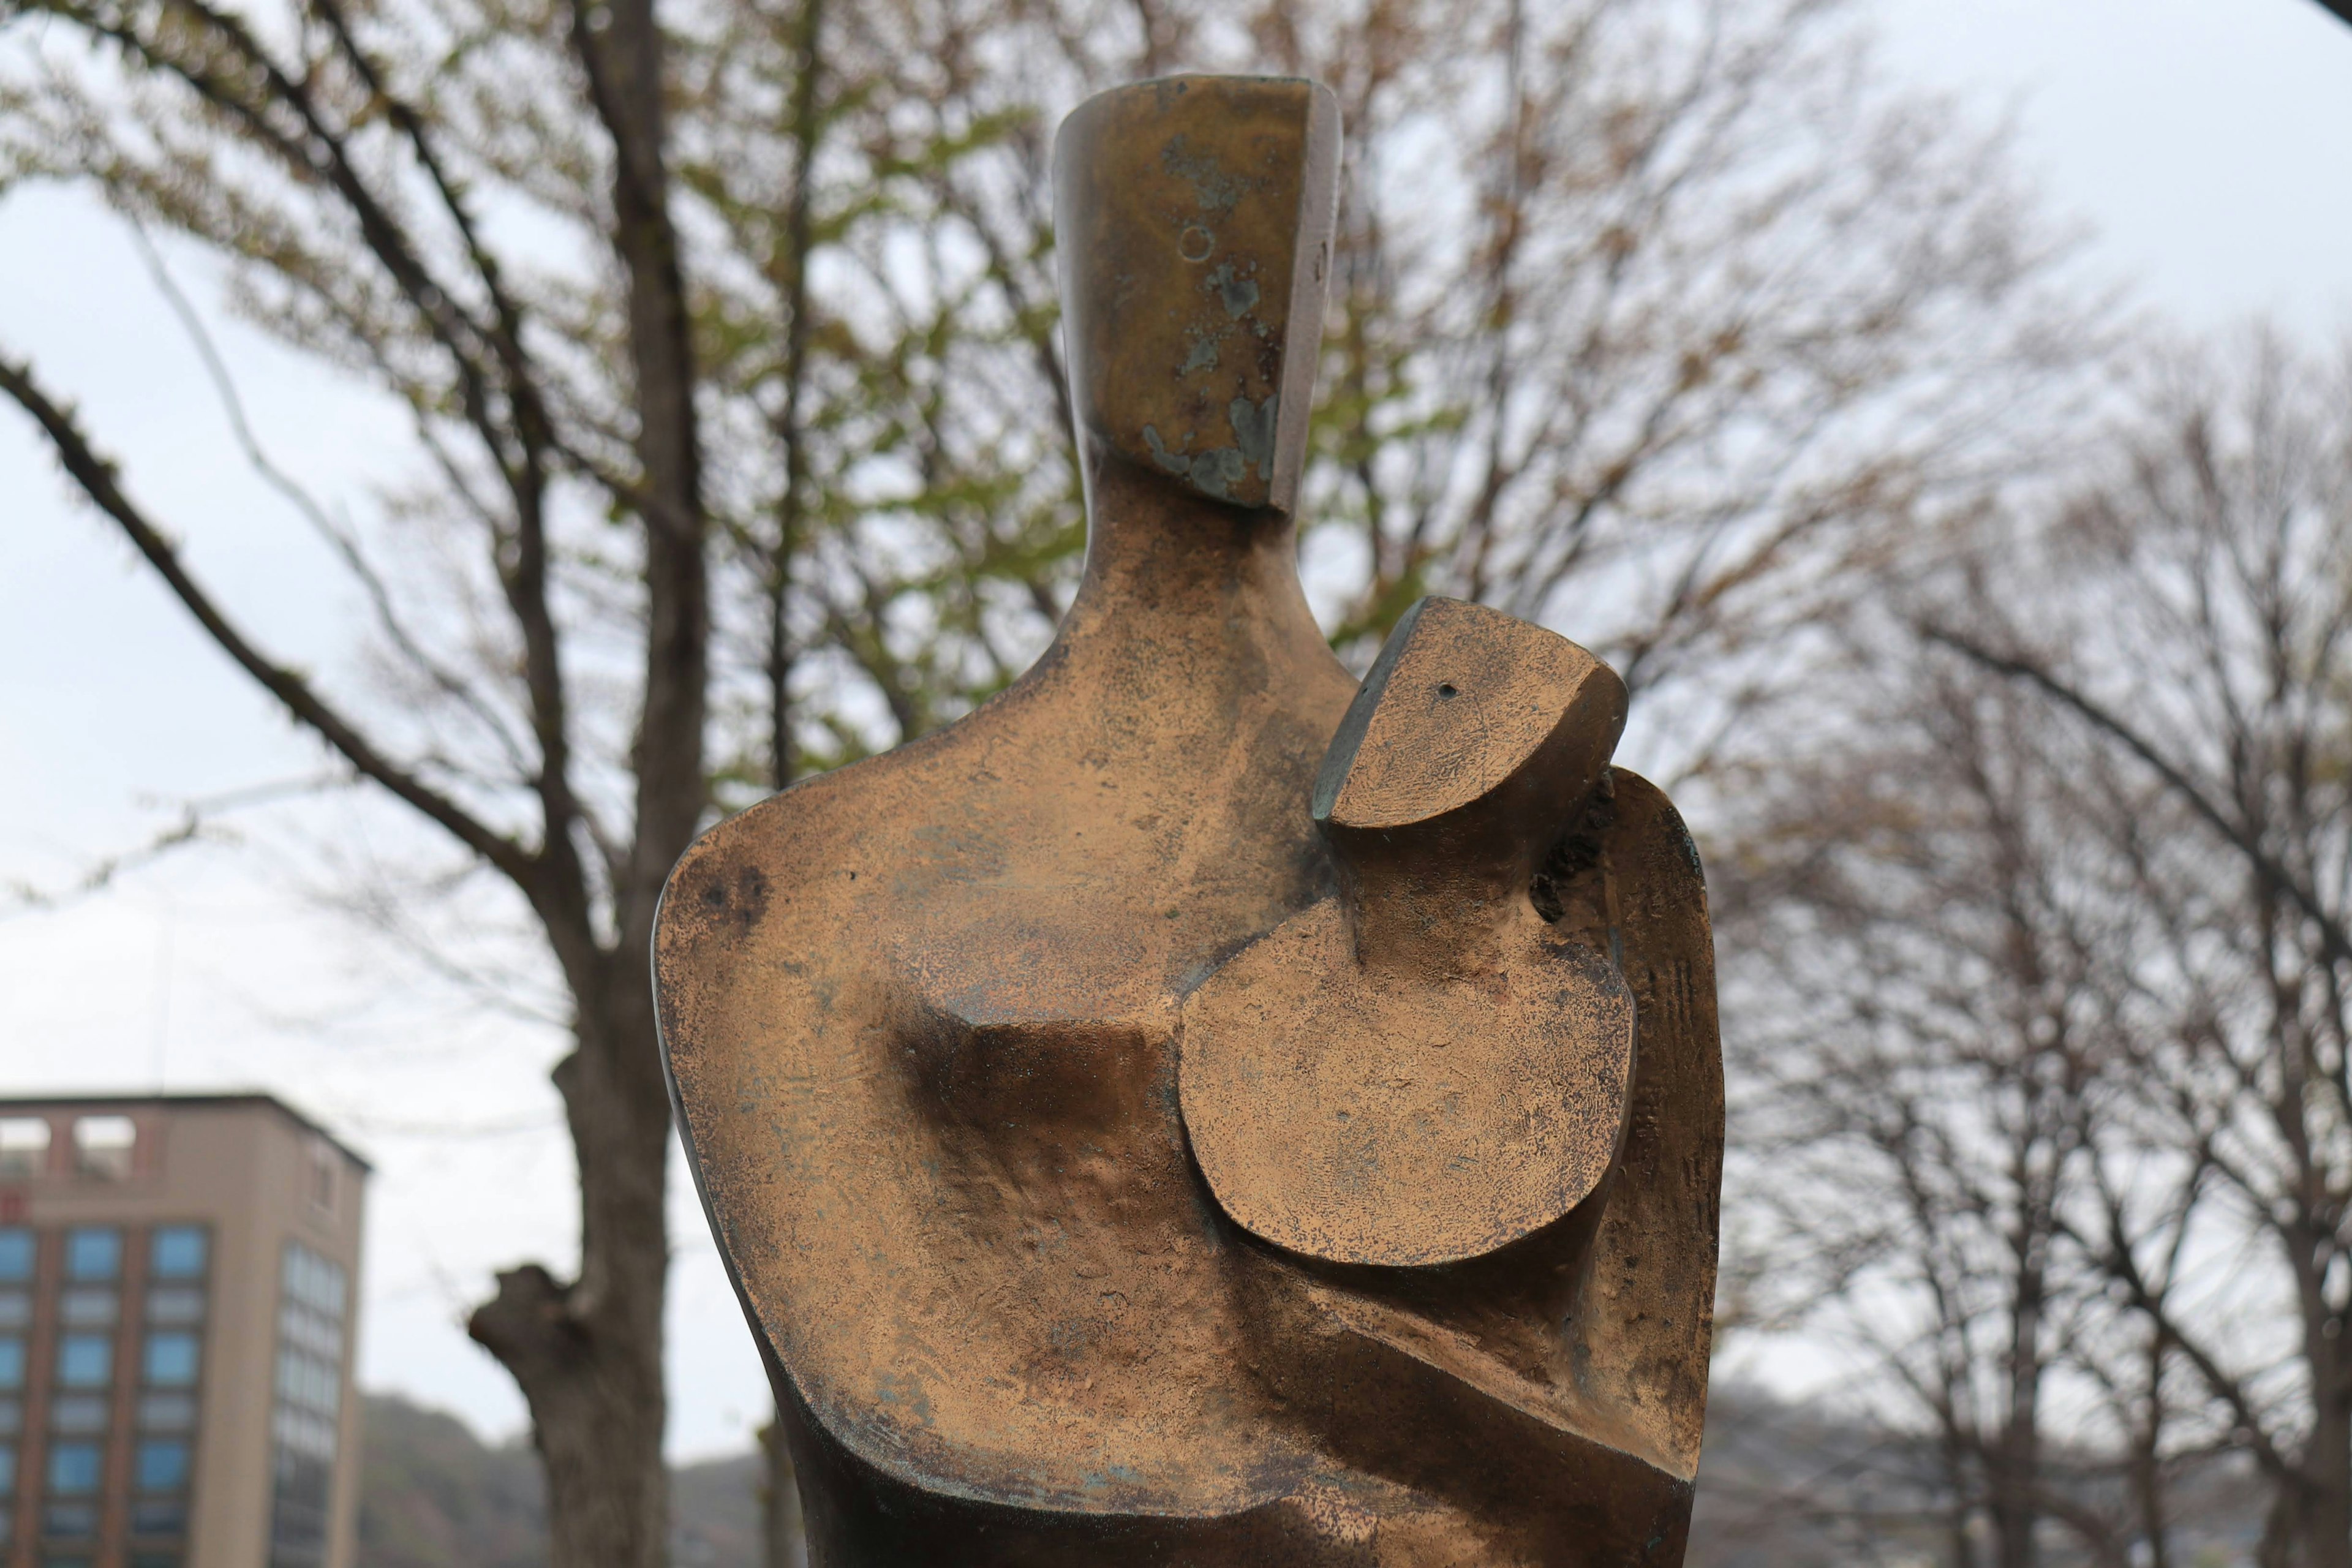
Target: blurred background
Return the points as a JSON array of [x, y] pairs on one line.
[[1942, 416]]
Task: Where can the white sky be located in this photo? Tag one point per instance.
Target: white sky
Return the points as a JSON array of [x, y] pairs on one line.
[[2207, 142]]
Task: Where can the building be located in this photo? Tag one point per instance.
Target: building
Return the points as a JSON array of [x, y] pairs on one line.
[[177, 1282]]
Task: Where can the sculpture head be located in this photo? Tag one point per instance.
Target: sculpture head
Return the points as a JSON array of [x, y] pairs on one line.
[[1195, 217], [1474, 741]]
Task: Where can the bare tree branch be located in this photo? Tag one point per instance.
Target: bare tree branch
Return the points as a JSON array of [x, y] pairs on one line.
[[95, 477]]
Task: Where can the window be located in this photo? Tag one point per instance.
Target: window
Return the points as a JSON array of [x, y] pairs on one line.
[[175, 1304], [8, 1469], [73, 1468], [177, 1252], [85, 1360], [12, 1417], [12, 1361], [68, 1522], [163, 1465], [15, 1253], [159, 1517], [103, 1146], [15, 1310], [166, 1412], [304, 1425], [322, 1174], [93, 1252], [87, 1307], [170, 1359], [314, 1282], [23, 1147], [79, 1413], [154, 1560]]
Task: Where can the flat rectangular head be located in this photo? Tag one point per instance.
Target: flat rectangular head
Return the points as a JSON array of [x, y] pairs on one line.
[[1193, 218]]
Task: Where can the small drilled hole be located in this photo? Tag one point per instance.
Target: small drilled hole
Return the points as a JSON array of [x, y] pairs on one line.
[[1447, 691]]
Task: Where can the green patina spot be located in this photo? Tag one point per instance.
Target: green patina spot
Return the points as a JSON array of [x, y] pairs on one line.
[[1213, 473], [1254, 430], [1215, 189], [1238, 294]]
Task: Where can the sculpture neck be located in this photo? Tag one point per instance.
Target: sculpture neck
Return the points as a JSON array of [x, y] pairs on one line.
[[1426, 910], [1187, 577]]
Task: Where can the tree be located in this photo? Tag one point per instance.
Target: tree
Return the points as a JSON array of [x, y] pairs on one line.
[[1628, 335], [596, 518], [322, 162], [1645, 344], [727, 336], [2203, 644], [2052, 934], [1936, 952]]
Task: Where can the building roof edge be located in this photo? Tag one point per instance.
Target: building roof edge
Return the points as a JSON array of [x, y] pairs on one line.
[[223, 1101]]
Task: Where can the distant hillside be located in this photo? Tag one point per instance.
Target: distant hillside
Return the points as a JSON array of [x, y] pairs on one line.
[[1782, 1486], [1794, 1486], [714, 1509], [433, 1495]]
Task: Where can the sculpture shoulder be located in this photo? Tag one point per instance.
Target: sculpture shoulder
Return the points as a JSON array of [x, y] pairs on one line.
[[787, 853]]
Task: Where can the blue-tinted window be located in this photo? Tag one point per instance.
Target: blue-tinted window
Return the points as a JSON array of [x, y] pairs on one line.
[[170, 1359], [73, 1468], [175, 1304], [93, 1252], [12, 1361], [85, 1308], [15, 1253], [76, 1414], [163, 1465], [85, 1360], [177, 1252], [7, 1468], [166, 1412], [156, 1516], [68, 1522]]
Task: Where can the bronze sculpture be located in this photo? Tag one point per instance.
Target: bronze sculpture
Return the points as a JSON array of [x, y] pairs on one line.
[[1196, 1110]]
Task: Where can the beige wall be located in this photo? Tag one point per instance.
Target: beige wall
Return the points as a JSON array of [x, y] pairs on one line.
[[245, 1166]]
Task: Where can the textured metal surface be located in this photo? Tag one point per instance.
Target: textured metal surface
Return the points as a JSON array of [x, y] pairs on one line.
[[1192, 219], [1420, 1071], [923, 1016]]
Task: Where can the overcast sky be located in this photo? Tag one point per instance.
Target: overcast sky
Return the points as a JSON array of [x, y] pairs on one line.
[[2207, 142]]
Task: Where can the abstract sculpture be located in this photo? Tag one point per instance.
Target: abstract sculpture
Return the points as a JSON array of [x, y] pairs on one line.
[[1196, 1110]]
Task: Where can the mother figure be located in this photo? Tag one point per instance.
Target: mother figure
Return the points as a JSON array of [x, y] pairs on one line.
[[1197, 1109]]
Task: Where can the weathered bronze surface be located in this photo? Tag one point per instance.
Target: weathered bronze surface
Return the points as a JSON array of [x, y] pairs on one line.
[[1419, 1069], [1148, 1121]]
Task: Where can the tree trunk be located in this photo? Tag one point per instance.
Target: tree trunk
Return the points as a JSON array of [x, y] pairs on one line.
[[1962, 1516], [2148, 1468], [2015, 1469], [2327, 1456], [588, 1355]]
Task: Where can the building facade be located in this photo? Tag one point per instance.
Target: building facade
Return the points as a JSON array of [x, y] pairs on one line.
[[178, 1277]]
